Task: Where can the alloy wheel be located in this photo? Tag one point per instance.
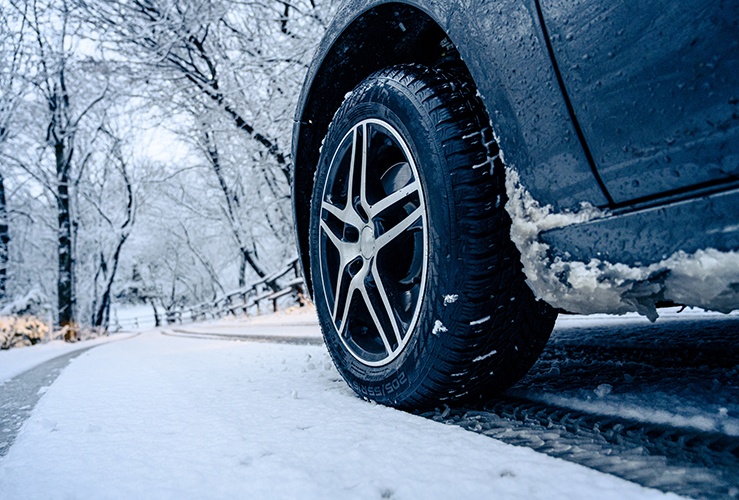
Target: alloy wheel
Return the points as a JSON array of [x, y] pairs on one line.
[[373, 242]]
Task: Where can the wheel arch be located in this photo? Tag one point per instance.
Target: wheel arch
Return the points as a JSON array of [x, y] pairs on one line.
[[379, 36], [500, 45]]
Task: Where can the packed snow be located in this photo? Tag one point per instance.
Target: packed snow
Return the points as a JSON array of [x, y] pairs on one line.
[[161, 416], [708, 278]]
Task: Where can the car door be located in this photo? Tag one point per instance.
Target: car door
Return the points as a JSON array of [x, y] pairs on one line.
[[655, 88]]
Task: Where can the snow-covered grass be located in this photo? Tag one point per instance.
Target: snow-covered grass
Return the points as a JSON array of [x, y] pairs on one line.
[[164, 417]]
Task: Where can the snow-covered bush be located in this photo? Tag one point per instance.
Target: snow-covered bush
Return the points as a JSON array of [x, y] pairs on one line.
[[34, 303], [19, 331]]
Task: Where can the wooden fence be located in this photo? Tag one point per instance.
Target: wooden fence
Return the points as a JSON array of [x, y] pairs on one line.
[[263, 295], [249, 299]]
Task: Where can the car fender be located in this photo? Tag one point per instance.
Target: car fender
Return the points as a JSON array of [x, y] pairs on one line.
[[503, 48]]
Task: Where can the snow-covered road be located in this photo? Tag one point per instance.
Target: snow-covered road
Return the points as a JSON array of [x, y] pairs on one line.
[[162, 416]]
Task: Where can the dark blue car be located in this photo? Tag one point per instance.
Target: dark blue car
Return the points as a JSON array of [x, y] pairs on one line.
[[465, 170]]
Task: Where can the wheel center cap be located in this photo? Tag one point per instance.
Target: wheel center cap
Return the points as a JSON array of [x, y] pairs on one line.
[[367, 242]]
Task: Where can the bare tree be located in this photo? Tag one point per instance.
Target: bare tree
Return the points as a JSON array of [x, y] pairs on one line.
[[107, 268], [12, 58], [189, 49], [176, 38], [54, 30], [232, 209], [222, 77]]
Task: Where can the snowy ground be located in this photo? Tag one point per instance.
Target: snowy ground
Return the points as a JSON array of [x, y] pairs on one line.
[[15, 361], [161, 416]]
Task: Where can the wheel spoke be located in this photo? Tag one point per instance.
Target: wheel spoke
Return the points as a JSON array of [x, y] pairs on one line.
[[333, 210], [385, 301], [363, 176], [393, 198], [355, 284], [352, 163], [375, 318], [337, 291], [345, 310], [346, 214], [399, 228], [347, 253], [340, 245]]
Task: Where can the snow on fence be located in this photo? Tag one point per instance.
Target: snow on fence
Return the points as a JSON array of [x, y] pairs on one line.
[[248, 299]]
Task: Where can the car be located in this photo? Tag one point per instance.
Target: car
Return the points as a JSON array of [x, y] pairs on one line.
[[465, 171]]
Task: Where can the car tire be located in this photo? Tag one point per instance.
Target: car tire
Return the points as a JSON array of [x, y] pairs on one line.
[[418, 288]]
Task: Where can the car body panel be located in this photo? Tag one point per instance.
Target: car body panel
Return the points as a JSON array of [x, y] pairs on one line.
[[655, 88], [643, 237], [535, 113]]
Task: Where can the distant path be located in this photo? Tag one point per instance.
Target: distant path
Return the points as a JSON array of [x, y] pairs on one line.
[[273, 339], [298, 329]]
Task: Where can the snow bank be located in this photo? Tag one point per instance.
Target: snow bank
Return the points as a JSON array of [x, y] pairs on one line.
[[708, 278]]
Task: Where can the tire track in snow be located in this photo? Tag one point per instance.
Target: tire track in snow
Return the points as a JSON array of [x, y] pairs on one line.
[[686, 462], [619, 398]]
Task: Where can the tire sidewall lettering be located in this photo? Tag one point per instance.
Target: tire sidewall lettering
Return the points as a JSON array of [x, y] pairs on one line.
[[381, 390]]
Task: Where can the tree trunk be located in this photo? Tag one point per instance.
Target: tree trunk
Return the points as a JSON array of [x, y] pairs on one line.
[[102, 316], [103, 313], [4, 240], [65, 281], [232, 203], [157, 319], [242, 271]]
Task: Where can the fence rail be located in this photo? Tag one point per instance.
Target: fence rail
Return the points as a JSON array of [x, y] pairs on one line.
[[249, 300]]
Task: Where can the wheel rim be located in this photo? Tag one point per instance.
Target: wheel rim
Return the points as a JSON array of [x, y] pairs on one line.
[[373, 242]]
